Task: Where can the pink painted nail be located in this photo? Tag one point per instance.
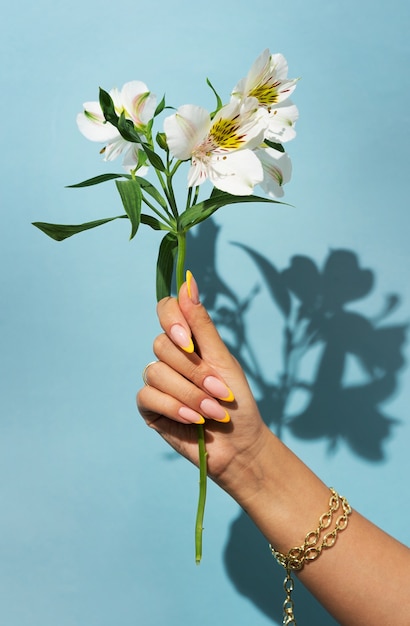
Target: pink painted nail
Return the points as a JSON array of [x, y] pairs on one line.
[[212, 409], [190, 415], [181, 338], [217, 388]]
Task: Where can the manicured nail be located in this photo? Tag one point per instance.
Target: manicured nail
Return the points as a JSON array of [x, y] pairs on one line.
[[180, 336], [190, 415], [217, 388], [212, 409], [192, 287]]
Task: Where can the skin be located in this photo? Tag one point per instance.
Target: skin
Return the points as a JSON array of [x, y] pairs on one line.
[[362, 578]]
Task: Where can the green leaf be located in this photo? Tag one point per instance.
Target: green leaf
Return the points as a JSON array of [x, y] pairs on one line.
[[165, 265], [142, 160], [59, 232], [273, 279], [275, 146], [127, 130], [143, 183], [131, 197], [153, 158], [97, 180], [108, 109], [219, 104], [153, 191], [160, 107], [201, 211], [153, 222]]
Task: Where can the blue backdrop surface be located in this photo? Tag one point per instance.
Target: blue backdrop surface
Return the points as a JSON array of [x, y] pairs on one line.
[[96, 524]]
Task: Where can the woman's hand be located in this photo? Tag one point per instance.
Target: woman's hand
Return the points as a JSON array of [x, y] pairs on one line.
[[185, 387]]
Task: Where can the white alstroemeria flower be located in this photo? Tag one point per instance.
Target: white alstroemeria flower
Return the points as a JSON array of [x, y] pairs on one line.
[[267, 81], [220, 149], [277, 170], [137, 104]]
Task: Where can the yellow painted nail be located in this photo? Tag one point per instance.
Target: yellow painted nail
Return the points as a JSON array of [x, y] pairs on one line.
[[226, 419], [218, 389], [192, 287], [189, 348], [229, 398], [180, 337], [188, 277]]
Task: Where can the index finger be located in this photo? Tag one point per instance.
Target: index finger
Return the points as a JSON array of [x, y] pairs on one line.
[[174, 324], [207, 339]]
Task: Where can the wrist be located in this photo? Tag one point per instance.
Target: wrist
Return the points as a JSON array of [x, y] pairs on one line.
[[243, 475], [277, 490]]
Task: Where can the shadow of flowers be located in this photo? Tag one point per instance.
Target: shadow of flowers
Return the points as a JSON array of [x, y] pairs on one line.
[[317, 305]]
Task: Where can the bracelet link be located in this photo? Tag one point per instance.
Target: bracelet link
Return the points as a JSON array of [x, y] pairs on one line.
[[295, 559]]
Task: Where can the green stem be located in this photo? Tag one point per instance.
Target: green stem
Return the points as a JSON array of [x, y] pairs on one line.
[[164, 218], [180, 266], [170, 198], [180, 278], [171, 195], [202, 493]]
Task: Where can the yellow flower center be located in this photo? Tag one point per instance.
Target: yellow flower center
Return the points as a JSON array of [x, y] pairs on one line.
[[266, 93], [224, 133]]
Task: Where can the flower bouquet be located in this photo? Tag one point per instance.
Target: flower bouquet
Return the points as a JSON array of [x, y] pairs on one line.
[[236, 147]]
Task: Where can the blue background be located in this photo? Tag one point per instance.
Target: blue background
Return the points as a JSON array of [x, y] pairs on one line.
[[96, 521]]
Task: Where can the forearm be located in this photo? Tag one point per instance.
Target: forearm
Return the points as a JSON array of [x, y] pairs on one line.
[[285, 499]]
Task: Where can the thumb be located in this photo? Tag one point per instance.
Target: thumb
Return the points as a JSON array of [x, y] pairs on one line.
[[207, 339]]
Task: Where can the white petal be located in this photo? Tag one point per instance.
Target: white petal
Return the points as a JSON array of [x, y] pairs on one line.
[[254, 76], [186, 129], [114, 148], [132, 89], [92, 124], [116, 98], [285, 89], [198, 173], [282, 119], [279, 66], [277, 170], [138, 102], [130, 160], [236, 173], [257, 121]]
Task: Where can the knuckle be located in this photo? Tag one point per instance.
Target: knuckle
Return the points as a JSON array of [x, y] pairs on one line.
[[159, 345], [196, 372], [191, 370], [191, 396], [152, 373], [141, 398]]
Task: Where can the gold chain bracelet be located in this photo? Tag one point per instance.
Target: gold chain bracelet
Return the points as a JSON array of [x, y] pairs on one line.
[[311, 549]]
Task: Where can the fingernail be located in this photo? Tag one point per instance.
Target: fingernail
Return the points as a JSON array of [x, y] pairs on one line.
[[192, 287], [189, 414], [212, 409], [180, 336], [217, 388]]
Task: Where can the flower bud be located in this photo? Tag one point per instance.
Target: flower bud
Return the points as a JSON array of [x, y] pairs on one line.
[[162, 141]]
